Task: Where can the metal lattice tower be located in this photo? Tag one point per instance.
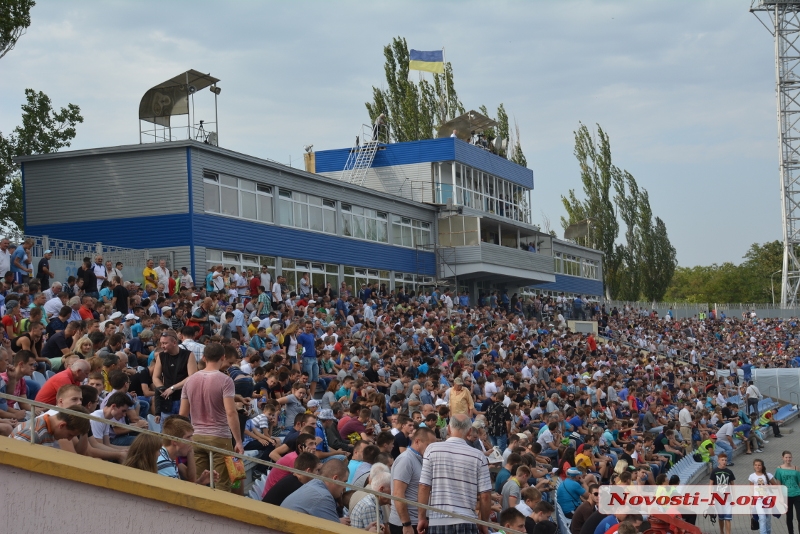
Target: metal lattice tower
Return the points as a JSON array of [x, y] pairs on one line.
[[782, 20]]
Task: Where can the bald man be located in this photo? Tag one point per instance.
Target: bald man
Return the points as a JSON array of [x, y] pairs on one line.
[[75, 375]]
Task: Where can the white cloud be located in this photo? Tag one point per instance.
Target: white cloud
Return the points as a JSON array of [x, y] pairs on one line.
[[686, 91]]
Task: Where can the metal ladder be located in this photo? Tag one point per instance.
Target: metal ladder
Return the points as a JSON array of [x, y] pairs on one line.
[[361, 156]]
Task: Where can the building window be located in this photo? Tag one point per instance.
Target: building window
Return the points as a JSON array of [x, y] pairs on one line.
[[365, 223], [410, 232], [242, 262], [236, 197], [355, 277], [301, 210], [485, 192]]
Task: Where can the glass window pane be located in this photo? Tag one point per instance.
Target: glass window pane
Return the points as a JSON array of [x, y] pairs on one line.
[[247, 185], [397, 234], [301, 215], [264, 208], [315, 218], [358, 227], [213, 255], [211, 193], [372, 232], [383, 232], [347, 225], [329, 221], [315, 201], [407, 242], [229, 180], [358, 209], [249, 210], [230, 201], [287, 264], [286, 215]]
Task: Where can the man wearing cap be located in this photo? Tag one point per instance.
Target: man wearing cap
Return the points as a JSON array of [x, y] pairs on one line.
[[166, 316], [325, 418], [43, 273], [570, 491], [130, 320]]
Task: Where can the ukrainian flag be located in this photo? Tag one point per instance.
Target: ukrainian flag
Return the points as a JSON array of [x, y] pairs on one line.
[[427, 61]]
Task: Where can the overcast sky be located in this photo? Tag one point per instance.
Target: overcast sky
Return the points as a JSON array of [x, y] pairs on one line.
[[686, 90]]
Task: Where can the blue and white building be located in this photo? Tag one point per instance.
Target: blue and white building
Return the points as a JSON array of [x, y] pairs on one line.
[[435, 211]]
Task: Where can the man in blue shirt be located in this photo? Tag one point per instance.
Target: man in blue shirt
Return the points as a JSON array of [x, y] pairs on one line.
[[310, 363], [21, 263], [317, 498], [569, 492]]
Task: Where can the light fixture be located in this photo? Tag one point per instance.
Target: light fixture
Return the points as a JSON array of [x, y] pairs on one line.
[[214, 89], [308, 148]]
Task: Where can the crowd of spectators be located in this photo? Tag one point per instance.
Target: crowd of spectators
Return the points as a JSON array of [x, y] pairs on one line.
[[492, 410]]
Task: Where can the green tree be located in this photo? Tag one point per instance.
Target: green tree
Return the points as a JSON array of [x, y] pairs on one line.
[[661, 264], [597, 174], [412, 110], [15, 18], [43, 130], [645, 263], [415, 110], [729, 283]]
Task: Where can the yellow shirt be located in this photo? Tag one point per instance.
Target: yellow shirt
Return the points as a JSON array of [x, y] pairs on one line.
[[460, 401], [149, 273]]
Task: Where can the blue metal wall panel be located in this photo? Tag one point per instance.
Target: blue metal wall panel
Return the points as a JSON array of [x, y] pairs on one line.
[[236, 235], [573, 284], [430, 150], [135, 232], [488, 162]]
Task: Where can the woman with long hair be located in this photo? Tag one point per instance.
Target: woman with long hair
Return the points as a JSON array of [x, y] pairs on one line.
[[567, 461], [143, 453], [788, 475], [84, 348], [329, 397], [290, 343], [760, 477]]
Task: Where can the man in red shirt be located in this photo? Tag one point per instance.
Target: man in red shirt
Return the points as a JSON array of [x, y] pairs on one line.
[[75, 375], [305, 443], [86, 308]]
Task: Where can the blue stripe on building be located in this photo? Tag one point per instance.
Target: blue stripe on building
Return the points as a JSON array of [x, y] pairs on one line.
[[572, 284], [236, 235], [134, 232], [427, 151]]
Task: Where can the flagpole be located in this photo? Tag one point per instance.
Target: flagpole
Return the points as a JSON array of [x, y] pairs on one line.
[[446, 89]]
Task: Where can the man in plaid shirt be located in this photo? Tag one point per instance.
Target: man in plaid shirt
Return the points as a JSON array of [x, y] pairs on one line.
[[365, 512]]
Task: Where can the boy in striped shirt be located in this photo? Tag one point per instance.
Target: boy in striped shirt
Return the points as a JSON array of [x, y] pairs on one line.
[[48, 429]]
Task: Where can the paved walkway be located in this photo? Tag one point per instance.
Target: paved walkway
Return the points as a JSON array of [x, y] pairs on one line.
[[743, 467]]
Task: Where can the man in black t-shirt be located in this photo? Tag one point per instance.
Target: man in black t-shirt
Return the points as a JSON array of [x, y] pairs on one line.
[[43, 270], [401, 440], [305, 461], [119, 300], [721, 479]]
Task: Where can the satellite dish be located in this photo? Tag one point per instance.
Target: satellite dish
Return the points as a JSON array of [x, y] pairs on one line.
[[211, 139]]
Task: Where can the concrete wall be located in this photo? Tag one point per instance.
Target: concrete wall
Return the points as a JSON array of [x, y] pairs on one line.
[[49, 490], [72, 508]]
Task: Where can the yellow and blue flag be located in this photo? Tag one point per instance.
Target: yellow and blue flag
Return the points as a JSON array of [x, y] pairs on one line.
[[427, 61]]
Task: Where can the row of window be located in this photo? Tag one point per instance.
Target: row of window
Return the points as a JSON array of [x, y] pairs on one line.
[[483, 191], [576, 266], [320, 273], [246, 199]]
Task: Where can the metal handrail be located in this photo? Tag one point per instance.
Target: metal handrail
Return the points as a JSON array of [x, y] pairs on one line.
[[211, 450]]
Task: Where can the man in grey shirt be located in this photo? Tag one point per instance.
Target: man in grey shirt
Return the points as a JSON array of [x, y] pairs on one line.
[[406, 470], [318, 498], [399, 385]]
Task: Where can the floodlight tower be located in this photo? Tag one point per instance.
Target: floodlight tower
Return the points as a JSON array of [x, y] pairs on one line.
[[782, 20]]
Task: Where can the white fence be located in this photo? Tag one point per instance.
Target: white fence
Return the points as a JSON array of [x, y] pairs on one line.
[[68, 256], [683, 310]]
